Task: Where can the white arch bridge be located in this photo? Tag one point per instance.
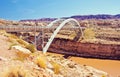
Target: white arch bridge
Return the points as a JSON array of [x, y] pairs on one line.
[[47, 33], [66, 24]]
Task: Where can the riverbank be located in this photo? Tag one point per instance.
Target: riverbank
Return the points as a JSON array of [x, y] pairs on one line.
[[110, 66], [85, 49]]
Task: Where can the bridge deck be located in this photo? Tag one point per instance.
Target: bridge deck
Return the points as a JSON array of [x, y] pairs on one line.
[[24, 28]]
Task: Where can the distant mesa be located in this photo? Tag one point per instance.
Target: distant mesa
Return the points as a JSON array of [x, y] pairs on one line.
[[84, 20], [42, 19], [80, 17]]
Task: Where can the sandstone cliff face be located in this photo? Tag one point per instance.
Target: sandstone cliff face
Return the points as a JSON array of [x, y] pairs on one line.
[[110, 51]]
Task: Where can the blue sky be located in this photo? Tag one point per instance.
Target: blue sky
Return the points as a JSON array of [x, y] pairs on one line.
[[35, 9]]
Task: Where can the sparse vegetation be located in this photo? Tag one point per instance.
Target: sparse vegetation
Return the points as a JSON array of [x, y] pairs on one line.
[[103, 76], [13, 44], [73, 35], [41, 61], [3, 32], [31, 47], [89, 33], [15, 71], [16, 41], [22, 42], [11, 40], [21, 56], [13, 36], [56, 67]]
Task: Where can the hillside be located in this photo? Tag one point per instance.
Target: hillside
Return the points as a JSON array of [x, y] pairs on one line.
[[20, 59]]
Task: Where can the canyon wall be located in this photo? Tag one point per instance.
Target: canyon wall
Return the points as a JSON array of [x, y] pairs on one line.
[[92, 50]]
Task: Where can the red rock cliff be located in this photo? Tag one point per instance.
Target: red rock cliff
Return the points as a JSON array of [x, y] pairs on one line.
[[70, 47]]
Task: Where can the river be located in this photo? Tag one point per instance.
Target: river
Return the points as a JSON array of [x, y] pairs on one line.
[[112, 67]]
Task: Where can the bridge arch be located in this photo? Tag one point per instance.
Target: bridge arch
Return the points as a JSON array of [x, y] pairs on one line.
[[50, 25], [45, 48], [57, 20]]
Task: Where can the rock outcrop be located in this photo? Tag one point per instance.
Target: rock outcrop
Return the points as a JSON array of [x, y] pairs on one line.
[[86, 49]]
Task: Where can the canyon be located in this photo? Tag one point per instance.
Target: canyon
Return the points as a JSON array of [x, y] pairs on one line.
[[91, 50], [104, 46]]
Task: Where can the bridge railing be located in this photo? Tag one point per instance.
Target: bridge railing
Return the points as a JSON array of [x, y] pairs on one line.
[[24, 28]]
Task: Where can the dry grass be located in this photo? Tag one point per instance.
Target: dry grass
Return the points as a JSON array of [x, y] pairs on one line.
[[56, 67], [21, 56], [17, 41], [13, 36], [11, 40], [13, 44], [31, 47], [103, 76], [15, 71], [73, 35], [22, 42], [89, 33], [41, 61], [3, 32]]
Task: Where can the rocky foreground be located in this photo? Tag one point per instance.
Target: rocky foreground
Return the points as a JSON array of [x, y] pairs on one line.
[[20, 59]]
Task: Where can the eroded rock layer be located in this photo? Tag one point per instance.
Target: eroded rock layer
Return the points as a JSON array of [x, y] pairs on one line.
[[111, 51]]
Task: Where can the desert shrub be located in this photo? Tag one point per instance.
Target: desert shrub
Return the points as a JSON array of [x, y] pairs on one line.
[[11, 40], [13, 36], [13, 44], [22, 42], [31, 47], [3, 32], [56, 67], [21, 56], [41, 61], [15, 74], [89, 33], [73, 35], [103, 76], [16, 71]]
